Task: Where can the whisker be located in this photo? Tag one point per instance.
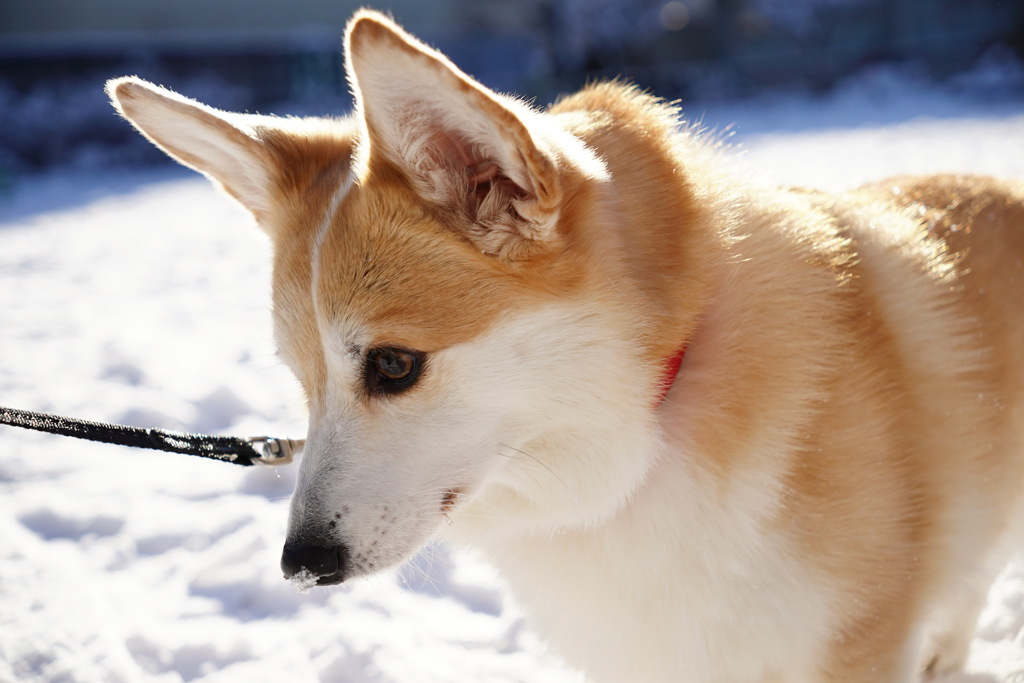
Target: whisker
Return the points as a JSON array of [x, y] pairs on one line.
[[534, 459], [418, 574]]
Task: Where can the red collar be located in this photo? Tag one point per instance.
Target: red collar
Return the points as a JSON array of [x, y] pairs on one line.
[[669, 370]]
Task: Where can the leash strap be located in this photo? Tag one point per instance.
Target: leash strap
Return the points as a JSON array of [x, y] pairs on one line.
[[226, 448]]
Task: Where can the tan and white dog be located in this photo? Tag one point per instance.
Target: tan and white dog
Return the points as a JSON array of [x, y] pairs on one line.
[[486, 305]]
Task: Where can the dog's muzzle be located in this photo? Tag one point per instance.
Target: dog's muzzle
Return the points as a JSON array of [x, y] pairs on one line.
[[326, 564]]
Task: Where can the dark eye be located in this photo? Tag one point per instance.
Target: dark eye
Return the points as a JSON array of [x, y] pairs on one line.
[[390, 370]]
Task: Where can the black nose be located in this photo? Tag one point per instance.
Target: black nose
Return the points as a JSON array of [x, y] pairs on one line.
[[325, 563]]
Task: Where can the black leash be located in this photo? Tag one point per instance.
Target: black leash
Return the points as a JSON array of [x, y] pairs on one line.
[[226, 448]]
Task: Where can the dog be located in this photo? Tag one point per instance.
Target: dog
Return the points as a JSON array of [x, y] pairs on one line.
[[708, 431]]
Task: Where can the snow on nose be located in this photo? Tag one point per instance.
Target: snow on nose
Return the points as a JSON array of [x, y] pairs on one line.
[[308, 564]]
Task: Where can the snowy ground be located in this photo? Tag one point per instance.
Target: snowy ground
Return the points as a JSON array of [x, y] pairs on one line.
[[142, 298]]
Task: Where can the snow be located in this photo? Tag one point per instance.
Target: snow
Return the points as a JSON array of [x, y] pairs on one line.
[[143, 297], [304, 581]]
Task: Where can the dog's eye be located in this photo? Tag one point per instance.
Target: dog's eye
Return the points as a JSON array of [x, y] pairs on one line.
[[390, 370]]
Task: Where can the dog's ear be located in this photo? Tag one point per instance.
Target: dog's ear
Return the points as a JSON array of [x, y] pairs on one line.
[[472, 153], [221, 145]]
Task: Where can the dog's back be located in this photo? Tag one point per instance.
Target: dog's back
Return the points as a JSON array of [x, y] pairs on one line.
[[977, 423]]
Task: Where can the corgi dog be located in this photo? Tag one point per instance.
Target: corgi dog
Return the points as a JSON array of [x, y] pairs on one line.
[[708, 431]]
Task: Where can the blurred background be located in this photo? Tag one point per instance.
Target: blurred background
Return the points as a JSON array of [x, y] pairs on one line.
[[276, 56]]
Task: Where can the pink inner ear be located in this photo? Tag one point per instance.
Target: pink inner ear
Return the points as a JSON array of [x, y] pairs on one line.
[[461, 155], [483, 172]]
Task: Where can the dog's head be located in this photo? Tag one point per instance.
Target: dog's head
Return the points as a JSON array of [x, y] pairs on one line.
[[445, 291]]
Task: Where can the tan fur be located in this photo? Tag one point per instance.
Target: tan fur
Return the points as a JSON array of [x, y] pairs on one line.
[[847, 421]]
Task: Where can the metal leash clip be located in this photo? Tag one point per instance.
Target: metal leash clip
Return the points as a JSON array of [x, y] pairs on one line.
[[277, 451]]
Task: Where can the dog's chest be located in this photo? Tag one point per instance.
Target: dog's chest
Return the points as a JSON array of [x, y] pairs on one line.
[[708, 603]]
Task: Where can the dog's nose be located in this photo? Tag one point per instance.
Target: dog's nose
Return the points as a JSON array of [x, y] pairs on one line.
[[327, 564]]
